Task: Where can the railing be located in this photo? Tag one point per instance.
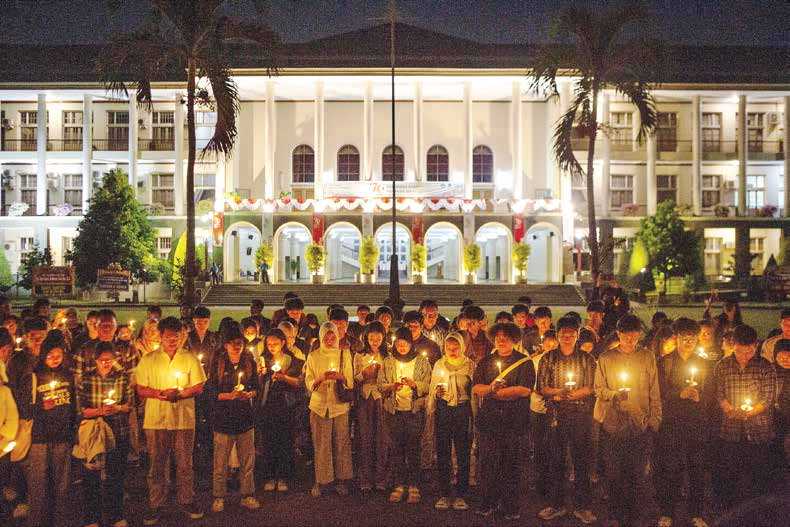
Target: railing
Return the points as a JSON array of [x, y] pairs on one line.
[[64, 145], [19, 145], [156, 145], [111, 145]]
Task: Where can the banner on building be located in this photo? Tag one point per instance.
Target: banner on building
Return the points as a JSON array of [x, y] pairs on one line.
[[55, 281], [318, 228], [114, 280], [519, 229], [218, 228], [417, 229]]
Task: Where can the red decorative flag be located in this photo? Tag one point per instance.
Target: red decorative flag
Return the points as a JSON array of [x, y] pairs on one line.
[[518, 227], [417, 229], [218, 228], [318, 228]]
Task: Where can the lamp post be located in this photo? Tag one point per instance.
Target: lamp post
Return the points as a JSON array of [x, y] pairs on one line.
[[394, 300]]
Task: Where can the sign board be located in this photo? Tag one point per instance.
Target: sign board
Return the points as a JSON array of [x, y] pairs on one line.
[[113, 280], [403, 189], [49, 280]]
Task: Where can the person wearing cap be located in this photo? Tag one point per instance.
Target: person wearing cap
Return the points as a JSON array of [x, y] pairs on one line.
[[477, 342], [746, 393], [326, 367], [767, 349], [434, 325], [403, 382], [686, 385], [450, 399], [566, 379], [628, 406], [532, 339]]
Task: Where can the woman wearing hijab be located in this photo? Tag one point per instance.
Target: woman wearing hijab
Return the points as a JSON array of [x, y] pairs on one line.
[[403, 381], [327, 371], [451, 394]]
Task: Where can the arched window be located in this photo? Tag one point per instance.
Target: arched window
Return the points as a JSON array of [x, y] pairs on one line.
[[303, 164], [348, 163], [482, 165], [392, 164], [438, 164]]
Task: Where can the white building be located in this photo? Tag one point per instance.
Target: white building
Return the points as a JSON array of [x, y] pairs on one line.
[[472, 157]]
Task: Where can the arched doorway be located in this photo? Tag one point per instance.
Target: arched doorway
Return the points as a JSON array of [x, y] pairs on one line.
[[544, 261], [290, 241], [384, 241], [445, 257], [494, 240], [242, 240], [342, 241]]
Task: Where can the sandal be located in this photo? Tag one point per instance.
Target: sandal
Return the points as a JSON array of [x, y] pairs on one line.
[[414, 495], [397, 494]]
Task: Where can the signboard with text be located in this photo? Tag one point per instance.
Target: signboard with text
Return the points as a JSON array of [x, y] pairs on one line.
[[113, 280], [53, 281], [403, 189]]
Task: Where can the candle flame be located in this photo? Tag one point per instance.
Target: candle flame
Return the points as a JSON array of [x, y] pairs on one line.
[[9, 447], [53, 385], [623, 376]]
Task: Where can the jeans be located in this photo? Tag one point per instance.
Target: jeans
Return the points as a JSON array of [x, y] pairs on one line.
[[676, 452], [332, 444], [572, 431], [47, 471], [500, 466], [372, 457], [452, 429], [245, 448], [405, 432], [106, 496], [162, 444], [626, 457]]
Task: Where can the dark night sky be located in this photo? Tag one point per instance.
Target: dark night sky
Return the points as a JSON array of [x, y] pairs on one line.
[[744, 22]]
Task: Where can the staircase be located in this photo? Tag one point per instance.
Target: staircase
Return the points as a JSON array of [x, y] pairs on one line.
[[353, 294]]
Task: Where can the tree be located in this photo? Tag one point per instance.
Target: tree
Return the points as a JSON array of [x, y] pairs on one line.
[[114, 230], [419, 258], [195, 37], [6, 278], [33, 258], [368, 255], [672, 250], [178, 266], [521, 252], [472, 258], [265, 253], [315, 254], [592, 49]]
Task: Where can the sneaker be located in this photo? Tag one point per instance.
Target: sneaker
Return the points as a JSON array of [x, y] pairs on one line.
[[282, 486], [10, 494], [397, 494], [218, 505], [250, 503], [315, 491], [121, 523], [341, 489], [21, 511], [442, 504], [459, 504], [513, 516], [697, 521], [664, 521], [585, 516], [269, 485], [414, 495], [151, 517], [194, 511], [484, 511], [549, 513]]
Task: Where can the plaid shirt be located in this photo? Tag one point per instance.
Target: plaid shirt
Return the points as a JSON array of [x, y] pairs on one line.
[[553, 373], [85, 358], [94, 389], [756, 382]]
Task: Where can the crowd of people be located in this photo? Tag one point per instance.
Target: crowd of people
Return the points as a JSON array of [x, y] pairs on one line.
[[380, 401]]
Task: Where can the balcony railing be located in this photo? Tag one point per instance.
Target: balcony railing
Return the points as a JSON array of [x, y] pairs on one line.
[[156, 145], [111, 145], [19, 145], [64, 145]]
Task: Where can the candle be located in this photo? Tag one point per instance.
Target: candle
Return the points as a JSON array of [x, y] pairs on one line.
[[570, 383], [18, 343], [276, 367], [747, 405], [53, 385], [178, 380], [702, 353], [156, 346], [424, 354], [131, 324], [692, 372], [624, 382], [240, 387], [499, 366], [200, 357], [109, 399], [9, 447], [332, 367], [372, 361]]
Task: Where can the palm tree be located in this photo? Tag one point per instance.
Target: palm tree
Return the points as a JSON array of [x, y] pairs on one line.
[[593, 49], [196, 39]]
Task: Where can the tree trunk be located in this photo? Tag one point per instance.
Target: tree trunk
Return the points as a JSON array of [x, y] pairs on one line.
[[189, 278], [592, 223]]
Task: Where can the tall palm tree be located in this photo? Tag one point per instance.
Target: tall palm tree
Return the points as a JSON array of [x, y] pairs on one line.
[[593, 49], [194, 39]]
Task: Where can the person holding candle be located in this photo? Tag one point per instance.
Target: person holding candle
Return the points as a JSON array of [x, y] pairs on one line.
[[403, 381], [85, 357], [746, 392], [565, 379], [532, 340], [232, 386], [9, 421], [105, 392], [686, 392], [539, 423], [450, 394], [502, 417], [169, 379], [372, 459], [708, 345], [294, 346], [329, 421], [280, 387], [628, 406]]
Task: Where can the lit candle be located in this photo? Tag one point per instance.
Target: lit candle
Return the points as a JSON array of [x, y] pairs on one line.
[[131, 324], [424, 354], [18, 343], [747, 405], [63, 321], [156, 346], [372, 361], [702, 353], [9, 447], [240, 387], [53, 385], [109, 399], [499, 366], [332, 367], [624, 382], [276, 367], [178, 380], [200, 357], [444, 378], [570, 383], [691, 381]]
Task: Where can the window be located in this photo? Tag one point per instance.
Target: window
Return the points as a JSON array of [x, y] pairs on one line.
[[72, 130], [162, 191], [438, 167], [27, 130], [205, 123], [26, 244], [72, 191], [711, 190], [162, 132], [27, 186], [713, 256], [392, 164], [667, 131], [754, 125], [621, 190], [781, 193], [711, 132], [756, 249], [621, 129], [163, 244], [118, 130], [667, 188], [755, 192], [204, 187], [482, 165], [620, 248], [348, 164], [303, 164]]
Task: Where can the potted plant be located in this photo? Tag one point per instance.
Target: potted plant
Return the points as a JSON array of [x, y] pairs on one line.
[[721, 211], [368, 258], [521, 253], [472, 260], [419, 261], [631, 209], [766, 211], [293, 269], [315, 254]]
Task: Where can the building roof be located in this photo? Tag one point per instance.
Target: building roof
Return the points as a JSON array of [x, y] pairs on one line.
[[417, 48]]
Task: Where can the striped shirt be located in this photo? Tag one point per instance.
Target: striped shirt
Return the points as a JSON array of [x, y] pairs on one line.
[[554, 371], [94, 389], [757, 383]]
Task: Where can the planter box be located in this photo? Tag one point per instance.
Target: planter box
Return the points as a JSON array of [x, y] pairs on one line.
[[416, 279], [470, 279], [318, 279], [367, 278]]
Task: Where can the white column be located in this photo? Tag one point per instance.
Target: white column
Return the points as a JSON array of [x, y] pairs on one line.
[[786, 145], [742, 155], [87, 150], [179, 182], [606, 154], [270, 141], [419, 132], [652, 183], [367, 132], [468, 140], [219, 183], [696, 154], [41, 156], [133, 143], [517, 141], [319, 132]]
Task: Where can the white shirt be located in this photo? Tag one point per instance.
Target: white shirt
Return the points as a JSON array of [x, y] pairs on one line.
[[323, 400], [158, 372], [403, 399]]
